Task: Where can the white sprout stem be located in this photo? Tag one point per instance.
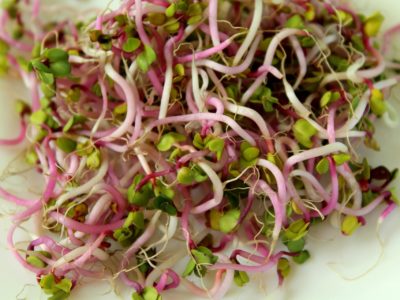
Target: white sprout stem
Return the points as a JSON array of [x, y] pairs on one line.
[[131, 71], [169, 232], [255, 25], [320, 46], [312, 153], [81, 60], [82, 165], [148, 8], [166, 94], [295, 197], [95, 53], [43, 163], [217, 187], [151, 227], [313, 181], [70, 256], [219, 291], [350, 73], [60, 158], [391, 117], [196, 88], [301, 59], [86, 186], [212, 20], [279, 208], [350, 134], [205, 79], [166, 91], [269, 56], [131, 93], [300, 109], [172, 226], [295, 149], [280, 180], [251, 114], [359, 112], [235, 69], [143, 161], [93, 247], [171, 261], [353, 184], [168, 263], [73, 165], [362, 211], [354, 73], [99, 208], [209, 117], [128, 175], [103, 110]]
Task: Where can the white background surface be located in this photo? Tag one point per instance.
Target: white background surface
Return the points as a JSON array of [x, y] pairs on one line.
[[333, 256]]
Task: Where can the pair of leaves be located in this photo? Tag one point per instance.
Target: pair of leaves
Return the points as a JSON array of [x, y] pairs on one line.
[[201, 257], [35, 260], [195, 13], [210, 142], [322, 166], [372, 24], [76, 211], [135, 218], [126, 236], [350, 225], [296, 230], [104, 40], [131, 44], [263, 95], [283, 267], [240, 278], [343, 17], [53, 63], [165, 204], [142, 196], [94, 159], [303, 131], [168, 140], [295, 22], [329, 97], [377, 103], [158, 197], [269, 223], [188, 176], [248, 155], [4, 64], [58, 289], [224, 221], [362, 170], [66, 144], [132, 228], [93, 154], [144, 262], [338, 63], [146, 58], [148, 293], [156, 19], [302, 257]]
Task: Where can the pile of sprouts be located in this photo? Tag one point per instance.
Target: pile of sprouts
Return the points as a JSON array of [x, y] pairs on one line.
[[209, 134]]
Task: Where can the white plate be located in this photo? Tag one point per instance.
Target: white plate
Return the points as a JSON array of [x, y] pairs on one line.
[[334, 257]]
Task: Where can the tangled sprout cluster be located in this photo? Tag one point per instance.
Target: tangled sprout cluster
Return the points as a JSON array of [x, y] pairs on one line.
[[167, 131]]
